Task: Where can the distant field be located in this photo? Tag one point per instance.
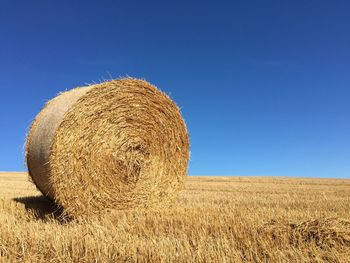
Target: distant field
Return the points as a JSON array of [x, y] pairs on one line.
[[216, 219]]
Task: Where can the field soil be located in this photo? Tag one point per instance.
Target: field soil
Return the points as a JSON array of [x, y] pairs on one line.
[[215, 219]]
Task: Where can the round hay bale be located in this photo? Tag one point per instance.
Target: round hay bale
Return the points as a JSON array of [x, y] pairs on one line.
[[121, 144]]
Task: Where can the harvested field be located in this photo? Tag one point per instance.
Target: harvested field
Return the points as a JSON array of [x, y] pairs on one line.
[[215, 219]]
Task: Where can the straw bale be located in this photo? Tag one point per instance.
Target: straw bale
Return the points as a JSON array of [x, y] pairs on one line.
[[121, 144]]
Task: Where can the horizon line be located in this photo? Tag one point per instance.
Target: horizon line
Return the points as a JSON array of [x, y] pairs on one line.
[[208, 175]]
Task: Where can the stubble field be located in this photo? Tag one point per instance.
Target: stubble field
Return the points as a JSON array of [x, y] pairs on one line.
[[215, 219]]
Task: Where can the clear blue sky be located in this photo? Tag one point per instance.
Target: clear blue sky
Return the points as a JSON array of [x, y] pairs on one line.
[[264, 86]]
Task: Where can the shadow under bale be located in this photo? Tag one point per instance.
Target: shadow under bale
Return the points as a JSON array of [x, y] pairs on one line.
[[43, 208]]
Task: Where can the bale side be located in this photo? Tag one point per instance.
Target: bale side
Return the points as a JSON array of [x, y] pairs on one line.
[[41, 135]]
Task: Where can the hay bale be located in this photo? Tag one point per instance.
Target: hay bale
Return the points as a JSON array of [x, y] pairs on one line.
[[120, 144]]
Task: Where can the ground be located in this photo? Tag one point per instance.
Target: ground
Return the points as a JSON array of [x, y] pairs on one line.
[[215, 219]]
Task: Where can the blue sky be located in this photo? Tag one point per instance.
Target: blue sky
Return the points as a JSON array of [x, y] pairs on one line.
[[264, 86]]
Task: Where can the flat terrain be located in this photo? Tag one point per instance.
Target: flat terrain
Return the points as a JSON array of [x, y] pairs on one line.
[[216, 219]]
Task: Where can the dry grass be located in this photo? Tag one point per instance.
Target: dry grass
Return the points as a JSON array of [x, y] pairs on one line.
[[215, 219]]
